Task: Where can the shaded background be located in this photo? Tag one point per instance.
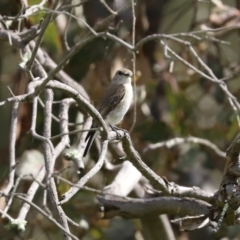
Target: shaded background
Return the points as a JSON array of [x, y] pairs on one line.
[[177, 104]]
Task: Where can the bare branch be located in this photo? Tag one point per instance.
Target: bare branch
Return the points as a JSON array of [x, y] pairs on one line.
[[51, 187], [12, 160], [137, 208], [159, 183], [72, 191]]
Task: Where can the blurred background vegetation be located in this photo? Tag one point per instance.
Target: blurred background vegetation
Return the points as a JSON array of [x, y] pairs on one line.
[[180, 103]]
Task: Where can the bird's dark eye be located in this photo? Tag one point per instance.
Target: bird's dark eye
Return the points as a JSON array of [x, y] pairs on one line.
[[123, 73]]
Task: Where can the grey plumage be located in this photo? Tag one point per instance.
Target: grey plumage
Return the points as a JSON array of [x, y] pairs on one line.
[[114, 104]]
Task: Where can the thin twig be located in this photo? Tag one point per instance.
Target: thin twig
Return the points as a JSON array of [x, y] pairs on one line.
[[134, 67], [33, 126], [107, 7], [176, 141], [44, 25], [30, 194], [50, 218]]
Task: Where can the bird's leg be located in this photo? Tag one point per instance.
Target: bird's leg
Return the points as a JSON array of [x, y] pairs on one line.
[[120, 129], [115, 129]]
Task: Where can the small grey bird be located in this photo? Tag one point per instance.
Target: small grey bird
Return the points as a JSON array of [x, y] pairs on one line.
[[114, 104]]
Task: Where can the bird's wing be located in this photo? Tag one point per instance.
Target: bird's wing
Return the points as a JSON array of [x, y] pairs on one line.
[[111, 99]]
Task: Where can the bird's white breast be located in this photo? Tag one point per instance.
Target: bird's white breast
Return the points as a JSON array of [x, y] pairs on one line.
[[121, 109]]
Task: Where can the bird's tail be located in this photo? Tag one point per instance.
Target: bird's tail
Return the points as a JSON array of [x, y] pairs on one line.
[[89, 139]]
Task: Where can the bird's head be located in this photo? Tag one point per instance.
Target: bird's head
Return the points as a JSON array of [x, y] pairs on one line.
[[122, 76]]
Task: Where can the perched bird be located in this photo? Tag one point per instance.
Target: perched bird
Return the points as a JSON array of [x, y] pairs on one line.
[[114, 104]]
